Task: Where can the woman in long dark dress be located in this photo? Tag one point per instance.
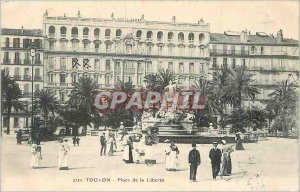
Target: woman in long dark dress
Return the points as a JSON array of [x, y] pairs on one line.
[[127, 153], [238, 140]]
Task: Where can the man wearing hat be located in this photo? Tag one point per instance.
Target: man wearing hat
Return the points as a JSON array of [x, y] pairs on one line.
[[194, 161], [215, 155]]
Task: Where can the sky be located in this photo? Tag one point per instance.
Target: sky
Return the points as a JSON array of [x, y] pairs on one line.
[[256, 16]]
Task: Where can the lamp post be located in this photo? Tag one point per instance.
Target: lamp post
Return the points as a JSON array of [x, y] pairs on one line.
[[32, 54]]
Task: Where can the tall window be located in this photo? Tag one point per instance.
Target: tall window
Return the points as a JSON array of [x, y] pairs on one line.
[[74, 32], [139, 34], [51, 31], [118, 34], [191, 68], [149, 49], [107, 34], [50, 78], [26, 43], [63, 31], [96, 33], [16, 42], [160, 36], [97, 65], [243, 50], [63, 45], [51, 45], [108, 47], [62, 78], [149, 35], [86, 45], [149, 67], [214, 49], [225, 62], [75, 45], [74, 77], [170, 66], [63, 64], [160, 48], [191, 38], [17, 58], [215, 65], [225, 49], [6, 42], [181, 70], [244, 62], [85, 32], [97, 45], [232, 49], [233, 63], [201, 38], [6, 57], [107, 65], [37, 72], [170, 36], [181, 37]]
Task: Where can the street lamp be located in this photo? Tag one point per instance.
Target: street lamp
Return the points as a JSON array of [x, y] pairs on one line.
[[32, 54]]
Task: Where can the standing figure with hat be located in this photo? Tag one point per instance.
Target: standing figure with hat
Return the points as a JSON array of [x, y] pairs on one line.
[[215, 155], [63, 154], [35, 156], [172, 157], [194, 162], [226, 159], [238, 141]]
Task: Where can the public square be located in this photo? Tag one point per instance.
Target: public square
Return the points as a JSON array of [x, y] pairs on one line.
[[270, 164]]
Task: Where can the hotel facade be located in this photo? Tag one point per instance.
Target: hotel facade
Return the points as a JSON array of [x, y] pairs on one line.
[[109, 50]]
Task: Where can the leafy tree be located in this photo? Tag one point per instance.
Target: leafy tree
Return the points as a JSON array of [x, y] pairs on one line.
[[11, 94]]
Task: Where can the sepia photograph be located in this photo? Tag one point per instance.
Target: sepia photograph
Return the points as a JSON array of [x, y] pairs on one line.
[[149, 95]]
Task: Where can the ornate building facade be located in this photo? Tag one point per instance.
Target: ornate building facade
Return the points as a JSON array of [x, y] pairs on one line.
[[271, 58], [109, 50], [17, 62]]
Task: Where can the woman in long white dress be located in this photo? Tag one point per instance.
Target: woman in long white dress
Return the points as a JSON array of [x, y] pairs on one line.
[[35, 156], [172, 157], [63, 155]]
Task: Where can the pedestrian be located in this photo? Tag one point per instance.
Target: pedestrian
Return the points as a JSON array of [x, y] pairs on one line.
[[63, 154], [172, 157], [77, 140], [103, 144], [238, 141], [110, 145], [74, 140], [194, 162], [215, 155], [19, 137], [226, 159], [35, 156], [127, 153]]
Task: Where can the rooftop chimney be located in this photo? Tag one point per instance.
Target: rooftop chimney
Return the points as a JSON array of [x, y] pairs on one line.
[[244, 36], [279, 36], [78, 14], [174, 19], [46, 13], [22, 29], [143, 17], [112, 16]]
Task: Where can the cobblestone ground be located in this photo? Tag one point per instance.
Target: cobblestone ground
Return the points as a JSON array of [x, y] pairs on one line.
[[271, 164]]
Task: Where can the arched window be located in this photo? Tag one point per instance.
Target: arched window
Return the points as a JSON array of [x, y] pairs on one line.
[[97, 32], [139, 34], [51, 30], [63, 31], [201, 38], [85, 31], [149, 35], [170, 36], [107, 33], [180, 37], [118, 34], [159, 36], [74, 32], [191, 38]]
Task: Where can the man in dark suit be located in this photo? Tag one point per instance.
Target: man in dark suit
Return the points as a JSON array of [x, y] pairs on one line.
[[194, 161], [215, 155], [103, 144]]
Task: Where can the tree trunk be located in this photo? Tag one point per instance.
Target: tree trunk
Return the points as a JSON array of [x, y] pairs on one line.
[[8, 123]]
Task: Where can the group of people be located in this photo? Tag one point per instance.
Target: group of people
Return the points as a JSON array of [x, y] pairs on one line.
[[62, 156], [108, 141]]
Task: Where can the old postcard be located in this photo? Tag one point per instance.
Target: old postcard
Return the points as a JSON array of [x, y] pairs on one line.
[[149, 95]]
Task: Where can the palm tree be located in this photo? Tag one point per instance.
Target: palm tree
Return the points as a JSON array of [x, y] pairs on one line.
[[210, 98], [240, 86], [159, 81], [80, 103], [82, 94], [46, 101], [11, 94]]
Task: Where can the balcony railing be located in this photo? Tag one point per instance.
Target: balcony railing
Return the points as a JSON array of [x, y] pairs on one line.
[[107, 37], [38, 78], [17, 77], [96, 36], [63, 35], [149, 39], [191, 41], [27, 77], [228, 52], [6, 61], [74, 35], [27, 61], [51, 34], [17, 61], [85, 36]]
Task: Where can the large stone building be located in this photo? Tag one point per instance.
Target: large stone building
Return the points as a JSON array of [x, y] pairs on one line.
[[17, 62], [271, 58], [115, 49]]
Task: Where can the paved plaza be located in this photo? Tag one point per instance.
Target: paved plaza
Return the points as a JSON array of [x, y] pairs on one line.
[[271, 164]]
